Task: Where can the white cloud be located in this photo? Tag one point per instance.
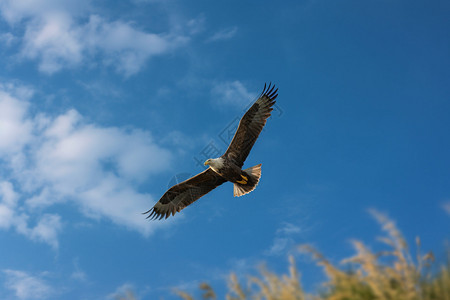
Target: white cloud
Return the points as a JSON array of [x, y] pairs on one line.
[[232, 93], [124, 47], [15, 11], [224, 34], [6, 216], [8, 195], [54, 41], [119, 203], [8, 201], [26, 286], [57, 38], [15, 130], [58, 159], [17, 91], [47, 228]]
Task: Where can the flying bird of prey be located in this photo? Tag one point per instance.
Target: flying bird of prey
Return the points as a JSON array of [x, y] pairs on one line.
[[228, 167]]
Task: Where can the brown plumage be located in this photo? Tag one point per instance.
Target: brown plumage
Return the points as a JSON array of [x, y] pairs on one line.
[[181, 195], [225, 168]]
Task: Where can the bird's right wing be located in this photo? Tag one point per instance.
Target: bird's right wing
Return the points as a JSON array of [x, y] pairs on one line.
[[251, 126], [181, 195]]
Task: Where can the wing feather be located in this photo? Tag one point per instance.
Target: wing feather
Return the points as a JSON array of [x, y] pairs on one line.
[[185, 193], [251, 126]]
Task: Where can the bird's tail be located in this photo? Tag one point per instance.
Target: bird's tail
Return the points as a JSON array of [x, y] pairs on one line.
[[254, 173]]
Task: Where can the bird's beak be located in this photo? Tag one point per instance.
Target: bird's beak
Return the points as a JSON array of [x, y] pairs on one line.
[[206, 163]]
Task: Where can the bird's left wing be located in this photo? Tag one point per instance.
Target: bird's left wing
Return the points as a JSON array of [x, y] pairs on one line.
[[181, 195]]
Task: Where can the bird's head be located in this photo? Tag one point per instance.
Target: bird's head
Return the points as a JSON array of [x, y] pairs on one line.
[[214, 162]]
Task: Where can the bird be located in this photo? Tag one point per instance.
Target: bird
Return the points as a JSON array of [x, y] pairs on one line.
[[227, 167]]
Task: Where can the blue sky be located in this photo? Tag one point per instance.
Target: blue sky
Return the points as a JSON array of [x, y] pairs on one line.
[[103, 103]]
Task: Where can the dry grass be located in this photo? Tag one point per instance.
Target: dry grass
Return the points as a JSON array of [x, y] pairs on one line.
[[392, 274]]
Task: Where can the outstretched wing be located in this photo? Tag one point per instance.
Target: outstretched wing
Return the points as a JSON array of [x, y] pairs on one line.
[[251, 126], [181, 195]]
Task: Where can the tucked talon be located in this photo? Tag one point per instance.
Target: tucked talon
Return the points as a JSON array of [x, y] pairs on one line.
[[243, 181]]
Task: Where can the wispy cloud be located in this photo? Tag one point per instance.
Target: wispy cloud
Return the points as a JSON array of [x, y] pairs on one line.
[[284, 239], [446, 207], [7, 38], [196, 25], [231, 93], [224, 34], [57, 38], [279, 245], [78, 273], [27, 286], [125, 291], [63, 158], [101, 88], [288, 229]]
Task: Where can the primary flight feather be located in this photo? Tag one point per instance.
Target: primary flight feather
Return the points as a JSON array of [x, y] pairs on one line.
[[226, 167]]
